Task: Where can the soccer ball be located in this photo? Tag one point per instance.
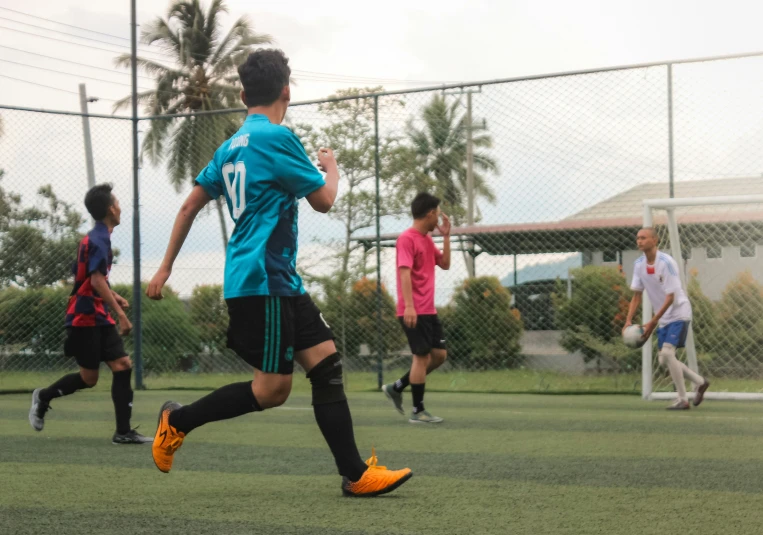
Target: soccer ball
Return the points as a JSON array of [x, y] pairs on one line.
[[633, 336]]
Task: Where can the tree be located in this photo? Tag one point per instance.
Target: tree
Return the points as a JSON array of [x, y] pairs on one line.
[[482, 329], [202, 77], [37, 244], [350, 133], [439, 151], [592, 320]]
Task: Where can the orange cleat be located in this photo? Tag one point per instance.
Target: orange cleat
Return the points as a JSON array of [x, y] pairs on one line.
[[167, 439], [376, 480]]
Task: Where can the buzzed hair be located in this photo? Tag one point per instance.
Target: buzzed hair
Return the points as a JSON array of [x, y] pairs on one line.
[[653, 231]]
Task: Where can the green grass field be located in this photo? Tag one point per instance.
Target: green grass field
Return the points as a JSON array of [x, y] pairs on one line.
[[518, 464]]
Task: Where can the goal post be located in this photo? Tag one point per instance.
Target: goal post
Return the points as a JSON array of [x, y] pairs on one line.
[[669, 223]]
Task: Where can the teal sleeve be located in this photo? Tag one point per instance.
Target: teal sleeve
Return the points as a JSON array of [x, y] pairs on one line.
[[211, 180], [295, 172]]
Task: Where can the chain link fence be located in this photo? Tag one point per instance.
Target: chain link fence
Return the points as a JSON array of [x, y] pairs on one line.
[[543, 179]]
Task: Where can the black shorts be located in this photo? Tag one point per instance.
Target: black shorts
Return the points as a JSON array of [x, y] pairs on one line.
[[92, 345], [265, 331], [426, 335]]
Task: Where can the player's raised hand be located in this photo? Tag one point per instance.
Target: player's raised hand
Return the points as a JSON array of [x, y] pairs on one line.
[[444, 227], [157, 283], [326, 160]]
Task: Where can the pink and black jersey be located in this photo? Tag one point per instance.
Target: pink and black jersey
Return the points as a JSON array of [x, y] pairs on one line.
[[86, 308], [418, 252]]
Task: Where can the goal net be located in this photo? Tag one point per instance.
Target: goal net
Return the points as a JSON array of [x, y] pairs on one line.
[[718, 243]]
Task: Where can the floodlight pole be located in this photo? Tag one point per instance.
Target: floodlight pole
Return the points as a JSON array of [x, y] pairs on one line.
[[136, 288], [471, 257], [671, 179], [83, 100], [379, 323]]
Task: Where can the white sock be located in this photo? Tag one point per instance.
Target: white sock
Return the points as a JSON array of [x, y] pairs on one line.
[[691, 375], [667, 358]]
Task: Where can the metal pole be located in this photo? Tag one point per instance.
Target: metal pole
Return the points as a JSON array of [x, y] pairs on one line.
[[86, 136], [136, 288], [515, 271], [670, 129], [379, 324], [469, 181], [646, 315]]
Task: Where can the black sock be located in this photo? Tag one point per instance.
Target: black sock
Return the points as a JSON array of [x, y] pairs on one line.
[[68, 384], [227, 402], [403, 382], [121, 395], [418, 397], [335, 422]]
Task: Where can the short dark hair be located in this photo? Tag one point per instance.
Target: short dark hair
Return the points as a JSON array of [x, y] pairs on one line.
[[422, 204], [98, 200], [264, 74]]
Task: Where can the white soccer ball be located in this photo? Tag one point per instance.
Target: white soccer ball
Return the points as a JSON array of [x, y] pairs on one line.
[[633, 336]]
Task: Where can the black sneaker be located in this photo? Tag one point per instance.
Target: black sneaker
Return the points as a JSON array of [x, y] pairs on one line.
[[37, 411], [700, 395], [131, 437]]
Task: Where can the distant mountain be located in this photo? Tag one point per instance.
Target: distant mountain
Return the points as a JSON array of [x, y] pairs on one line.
[[552, 270]]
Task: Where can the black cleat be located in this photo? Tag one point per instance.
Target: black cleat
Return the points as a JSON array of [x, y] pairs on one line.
[[131, 437]]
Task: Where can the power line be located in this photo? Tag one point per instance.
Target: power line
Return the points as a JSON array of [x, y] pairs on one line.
[[49, 86], [78, 36], [336, 79], [61, 40], [122, 84], [74, 62], [342, 77], [63, 23]]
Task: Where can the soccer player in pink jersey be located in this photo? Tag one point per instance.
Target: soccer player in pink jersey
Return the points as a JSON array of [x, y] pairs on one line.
[[417, 257]]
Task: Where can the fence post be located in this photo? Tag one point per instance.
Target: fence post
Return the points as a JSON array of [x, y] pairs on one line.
[[671, 180], [379, 324], [136, 289]]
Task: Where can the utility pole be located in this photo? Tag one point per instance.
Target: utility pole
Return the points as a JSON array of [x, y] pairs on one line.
[[83, 100], [470, 128]]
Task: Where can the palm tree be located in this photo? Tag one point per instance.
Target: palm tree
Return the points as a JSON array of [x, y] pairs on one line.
[[199, 76], [440, 152]]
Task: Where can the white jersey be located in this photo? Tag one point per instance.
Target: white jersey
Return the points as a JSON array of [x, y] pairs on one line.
[[659, 281]]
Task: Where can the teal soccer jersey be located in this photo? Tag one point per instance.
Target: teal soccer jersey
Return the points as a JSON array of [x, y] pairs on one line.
[[262, 171]]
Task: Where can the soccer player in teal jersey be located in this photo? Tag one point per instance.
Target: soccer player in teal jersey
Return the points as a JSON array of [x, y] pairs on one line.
[[262, 171]]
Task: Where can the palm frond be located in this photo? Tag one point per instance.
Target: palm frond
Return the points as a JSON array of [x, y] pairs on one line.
[[212, 29]]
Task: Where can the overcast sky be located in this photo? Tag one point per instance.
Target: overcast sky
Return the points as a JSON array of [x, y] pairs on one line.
[[419, 43], [561, 145]]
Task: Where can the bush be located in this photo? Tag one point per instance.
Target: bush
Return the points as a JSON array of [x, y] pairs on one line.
[[209, 315], [354, 320], [592, 320], [33, 319], [480, 326], [705, 321], [738, 337], [170, 340]]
